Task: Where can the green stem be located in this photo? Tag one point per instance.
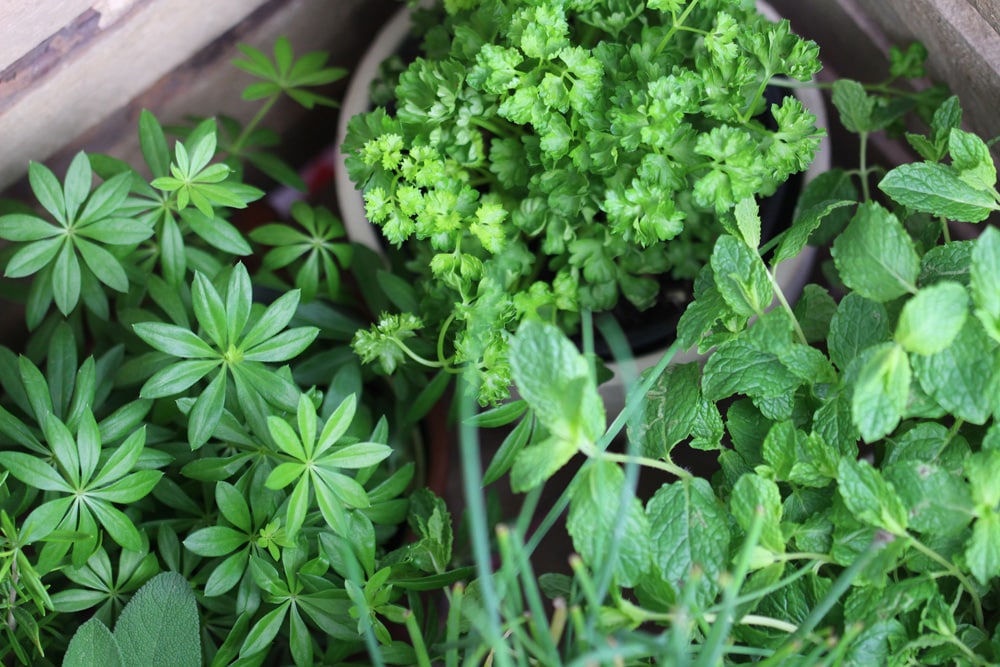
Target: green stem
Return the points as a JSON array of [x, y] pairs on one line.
[[451, 657], [665, 466], [977, 603], [773, 276], [676, 26], [945, 232], [254, 122], [863, 165], [419, 647]]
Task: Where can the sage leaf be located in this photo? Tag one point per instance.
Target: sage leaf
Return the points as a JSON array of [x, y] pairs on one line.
[[159, 626], [93, 644]]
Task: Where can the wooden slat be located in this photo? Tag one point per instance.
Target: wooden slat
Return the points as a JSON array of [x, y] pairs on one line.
[[26, 23]]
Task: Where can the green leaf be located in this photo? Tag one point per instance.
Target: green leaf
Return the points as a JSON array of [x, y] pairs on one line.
[[741, 277], [985, 280], [48, 191], [33, 257], [511, 447], [750, 493], [537, 463], [78, 180], [275, 318], [177, 377], [33, 472], [937, 189], [66, 279], [286, 345], [207, 412], [855, 106], [23, 227], [748, 221], [116, 523], [858, 324], [217, 232], [233, 506], [983, 550], [128, 489], [544, 365], [689, 528], [215, 541], [210, 312], [931, 320], [960, 377], [971, 157], [360, 455], [806, 222], [174, 340], [153, 143], [937, 499], [597, 520], [103, 264], [881, 390], [93, 644], [675, 410], [875, 256], [159, 626], [870, 498]]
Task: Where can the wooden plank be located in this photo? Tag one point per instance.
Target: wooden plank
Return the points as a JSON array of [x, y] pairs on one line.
[[116, 64], [26, 23], [207, 84]]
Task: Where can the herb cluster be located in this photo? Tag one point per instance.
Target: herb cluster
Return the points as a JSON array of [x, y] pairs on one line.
[[546, 158]]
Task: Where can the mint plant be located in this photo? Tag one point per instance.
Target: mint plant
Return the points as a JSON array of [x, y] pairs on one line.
[[544, 159]]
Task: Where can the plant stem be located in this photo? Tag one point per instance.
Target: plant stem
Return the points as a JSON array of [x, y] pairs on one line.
[[863, 165], [254, 122], [419, 648], [676, 26], [977, 603], [665, 466]]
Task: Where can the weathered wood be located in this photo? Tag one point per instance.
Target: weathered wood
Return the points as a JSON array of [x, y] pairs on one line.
[[92, 102]]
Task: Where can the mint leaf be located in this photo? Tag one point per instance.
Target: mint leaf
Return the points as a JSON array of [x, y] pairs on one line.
[[740, 276], [814, 310], [858, 324], [675, 410], [689, 528], [959, 377], [870, 498], [881, 390], [748, 221], [931, 320], [985, 280], [971, 157], [545, 365], [159, 626], [875, 256], [536, 463], [855, 106], [806, 222], [596, 521], [937, 500], [937, 189], [983, 550], [93, 644], [751, 492]]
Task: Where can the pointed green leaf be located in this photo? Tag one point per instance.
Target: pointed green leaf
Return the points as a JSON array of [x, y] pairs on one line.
[[937, 189], [875, 256], [174, 340], [79, 178], [33, 472]]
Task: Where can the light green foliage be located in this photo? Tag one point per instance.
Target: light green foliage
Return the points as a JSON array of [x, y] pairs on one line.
[[610, 137]]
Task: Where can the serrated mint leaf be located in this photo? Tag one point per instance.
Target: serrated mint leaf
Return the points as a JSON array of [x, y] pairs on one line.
[[855, 106], [545, 365], [937, 499], [674, 411], [689, 528], [748, 221], [881, 389], [597, 520], [937, 189], [858, 324], [740, 366], [834, 423], [806, 222], [870, 498], [875, 256], [983, 550], [741, 277], [983, 470], [536, 463], [960, 377], [985, 280], [950, 261], [971, 157], [814, 311], [931, 320], [750, 493], [159, 626]]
